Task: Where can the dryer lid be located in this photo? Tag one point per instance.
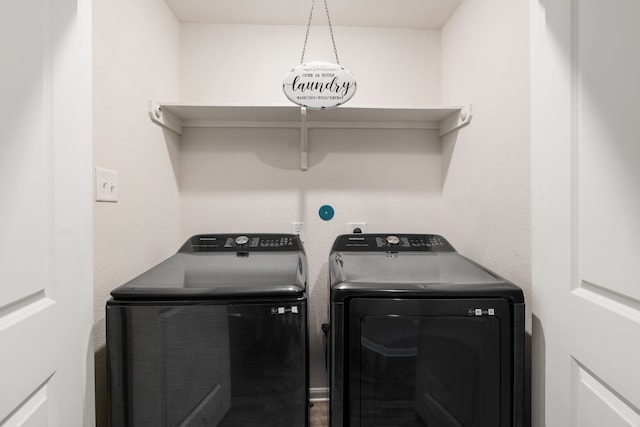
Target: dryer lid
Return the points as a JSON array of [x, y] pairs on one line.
[[411, 265]]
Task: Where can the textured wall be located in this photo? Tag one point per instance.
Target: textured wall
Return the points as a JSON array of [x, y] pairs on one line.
[[486, 173], [245, 64], [136, 57]]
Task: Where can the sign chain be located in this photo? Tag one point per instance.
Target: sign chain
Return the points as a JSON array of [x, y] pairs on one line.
[[306, 37]]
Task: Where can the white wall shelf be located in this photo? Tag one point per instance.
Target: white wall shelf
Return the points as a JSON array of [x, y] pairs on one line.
[[175, 117]]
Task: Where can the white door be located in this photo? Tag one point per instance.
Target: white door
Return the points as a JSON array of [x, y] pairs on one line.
[[46, 274], [586, 212]]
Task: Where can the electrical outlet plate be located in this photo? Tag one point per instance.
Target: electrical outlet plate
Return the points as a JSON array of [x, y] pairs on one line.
[[106, 185], [351, 226], [297, 228]]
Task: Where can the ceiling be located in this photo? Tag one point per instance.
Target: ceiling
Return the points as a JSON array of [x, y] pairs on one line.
[[423, 14]]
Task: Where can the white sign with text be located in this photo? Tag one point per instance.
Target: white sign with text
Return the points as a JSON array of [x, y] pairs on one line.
[[319, 85]]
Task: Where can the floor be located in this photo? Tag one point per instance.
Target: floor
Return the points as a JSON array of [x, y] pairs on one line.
[[319, 414]]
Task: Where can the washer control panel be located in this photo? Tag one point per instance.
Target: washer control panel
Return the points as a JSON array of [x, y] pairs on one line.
[[392, 243], [242, 243]]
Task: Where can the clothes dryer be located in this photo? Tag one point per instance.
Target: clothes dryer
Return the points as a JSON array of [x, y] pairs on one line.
[[421, 336]]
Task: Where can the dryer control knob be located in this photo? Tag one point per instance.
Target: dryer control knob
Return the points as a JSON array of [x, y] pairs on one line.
[[242, 240], [393, 240]]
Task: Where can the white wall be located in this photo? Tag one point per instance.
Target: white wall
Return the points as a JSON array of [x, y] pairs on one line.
[[474, 190], [486, 183], [136, 57], [245, 64], [249, 180]]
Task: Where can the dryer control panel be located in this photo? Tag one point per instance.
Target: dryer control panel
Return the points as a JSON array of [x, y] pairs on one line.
[[242, 243], [392, 243]]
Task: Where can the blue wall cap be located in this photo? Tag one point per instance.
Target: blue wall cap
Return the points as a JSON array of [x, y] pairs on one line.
[[326, 212]]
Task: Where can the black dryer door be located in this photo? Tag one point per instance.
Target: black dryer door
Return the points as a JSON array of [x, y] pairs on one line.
[[429, 362]]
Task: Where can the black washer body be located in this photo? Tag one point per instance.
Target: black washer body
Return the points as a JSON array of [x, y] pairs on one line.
[[215, 335]]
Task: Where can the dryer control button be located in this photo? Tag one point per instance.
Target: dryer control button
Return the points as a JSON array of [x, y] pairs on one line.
[[393, 240]]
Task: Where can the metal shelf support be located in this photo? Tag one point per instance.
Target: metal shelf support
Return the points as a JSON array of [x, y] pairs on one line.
[[456, 121], [164, 118], [304, 140]]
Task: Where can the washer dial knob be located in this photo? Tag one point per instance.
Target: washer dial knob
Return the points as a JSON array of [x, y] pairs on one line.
[[242, 240]]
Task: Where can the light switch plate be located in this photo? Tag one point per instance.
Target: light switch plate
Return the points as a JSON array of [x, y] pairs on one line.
[[106, 185]]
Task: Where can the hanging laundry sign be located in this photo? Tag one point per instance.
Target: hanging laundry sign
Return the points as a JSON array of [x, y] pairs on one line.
[[319, 85]]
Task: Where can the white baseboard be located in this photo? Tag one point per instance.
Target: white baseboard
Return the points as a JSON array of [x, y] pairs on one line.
[[319, 394]]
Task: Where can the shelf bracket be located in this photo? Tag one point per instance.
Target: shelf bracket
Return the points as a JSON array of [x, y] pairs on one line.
[[164, 118], [304, 140], [456, 121]]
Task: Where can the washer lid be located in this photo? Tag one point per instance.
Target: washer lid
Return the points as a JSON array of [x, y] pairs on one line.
[[221, 271]]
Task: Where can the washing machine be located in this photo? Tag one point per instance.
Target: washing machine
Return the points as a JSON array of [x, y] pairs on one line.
[[216, 335], [421, 336]]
